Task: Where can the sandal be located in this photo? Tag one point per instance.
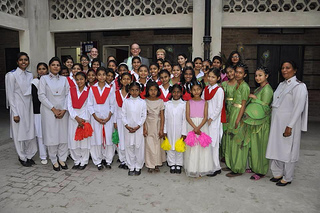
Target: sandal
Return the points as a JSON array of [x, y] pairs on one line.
[[256, 177], [150, 170], [249, 171], [157, 169]]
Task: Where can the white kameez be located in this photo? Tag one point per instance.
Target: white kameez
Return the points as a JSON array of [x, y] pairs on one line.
[[101, 111], [73, 124], [289, 108], [175, 125], [134, 113], [18, 89], [52, 92], [121, 129], [215, 128]]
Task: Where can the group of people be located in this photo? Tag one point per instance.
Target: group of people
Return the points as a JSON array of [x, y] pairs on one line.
[[191, 114]]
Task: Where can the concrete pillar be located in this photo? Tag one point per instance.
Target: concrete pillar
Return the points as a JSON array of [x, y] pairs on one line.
[[198, 28], [216, 27], [37, 40]]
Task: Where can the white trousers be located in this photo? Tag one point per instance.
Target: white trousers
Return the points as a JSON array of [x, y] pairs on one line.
[[98, 153], [135, 157], [174, 158], [58, 152], [280, 168], [26, 149], [122, 155], [215, 157], [80, 156], [38, 129]]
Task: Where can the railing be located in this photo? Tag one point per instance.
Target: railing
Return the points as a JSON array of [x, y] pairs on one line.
[[81, 9], [256, 6], [13, 7]]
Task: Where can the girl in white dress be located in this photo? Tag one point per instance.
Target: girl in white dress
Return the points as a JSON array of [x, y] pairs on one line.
[[101, 107], [175, 127], [78, 111], [121, 95], [134, 113], [52, 92], [18, 90], [42, 69]]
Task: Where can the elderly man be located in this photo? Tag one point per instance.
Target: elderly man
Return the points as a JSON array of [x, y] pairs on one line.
[[94, 54], [135, 51], [161, 53]]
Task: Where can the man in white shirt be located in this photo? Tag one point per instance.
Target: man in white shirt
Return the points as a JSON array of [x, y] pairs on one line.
[[135, 51]]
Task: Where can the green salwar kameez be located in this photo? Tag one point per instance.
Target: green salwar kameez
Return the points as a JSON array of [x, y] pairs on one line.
[[228, 92], [256, 126], [236, 153]]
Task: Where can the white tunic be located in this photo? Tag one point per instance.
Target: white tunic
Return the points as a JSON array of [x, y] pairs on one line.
[[73, 124], [289, 108], [175, 123], [118, 121], [101, 111], [214, 112], [134, 113], [52, 92], [18, 90]]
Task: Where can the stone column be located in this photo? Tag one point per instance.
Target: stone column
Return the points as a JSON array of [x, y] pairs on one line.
[[197, 28], [216, 27], [37, 40]]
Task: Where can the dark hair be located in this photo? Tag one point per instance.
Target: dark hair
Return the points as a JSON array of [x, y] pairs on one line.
[[216, 72], [112, 61], [85, 56], [82, 74], [54, 59], [164, 71], [183, 80], [22, 54], [264, 69], [154, 64], [96, 60], [109, 70], [191, 63], [136, 58], [145, 66], [175, 86], [178, 65], [246, 71], [217, 58], [101, 69], [121, 76], [183, 55], [196, 83], [108, 59], [77, 64], [149, 85], [134, 84], [64, 68], [293, 64], [167, 61], [229, 61], [197, 58], [42, 64], [67, 58], [123, 65], [91, 70], [160, 59]]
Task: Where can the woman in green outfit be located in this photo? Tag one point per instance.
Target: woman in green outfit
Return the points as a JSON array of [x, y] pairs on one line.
[[228, 87], [236, 151], [257, 124]]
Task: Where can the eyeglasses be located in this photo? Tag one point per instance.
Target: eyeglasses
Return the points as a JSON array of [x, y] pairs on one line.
[[235, 56], [84, 60]]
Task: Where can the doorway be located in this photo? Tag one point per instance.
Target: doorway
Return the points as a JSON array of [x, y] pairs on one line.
[[120, 52]]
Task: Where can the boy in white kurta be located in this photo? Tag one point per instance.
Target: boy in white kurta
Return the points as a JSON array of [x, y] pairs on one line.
[[21, 111]]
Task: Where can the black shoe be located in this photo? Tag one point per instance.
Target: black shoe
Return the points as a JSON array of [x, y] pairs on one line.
[[121, 166], [282, 184], [63, 167], [99, 166], [31, 162], [24, 163], [76, 166], [172, 169], [108, 166], [131, 173], [137, 172], [118, 161], [178, 170], [275, 179], [56, 168], [82, 167], [125, 167], [104, 162]]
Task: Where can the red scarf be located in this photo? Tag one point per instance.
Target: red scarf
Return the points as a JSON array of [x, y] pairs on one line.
[[143, 93], [77, 103], [119, 98], [186, 96], [71, 82], [164, 98], [209, 96], [100, 99]]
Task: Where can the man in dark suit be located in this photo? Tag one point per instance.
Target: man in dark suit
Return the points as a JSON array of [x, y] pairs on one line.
[[135, 51]]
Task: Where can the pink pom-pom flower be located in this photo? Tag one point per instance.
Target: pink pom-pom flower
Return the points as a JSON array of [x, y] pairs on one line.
[[204, 139], [191, 139]]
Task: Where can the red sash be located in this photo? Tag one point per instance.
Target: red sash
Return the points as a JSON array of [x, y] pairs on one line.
[[209, 96], [164, 98], [100, 99], [143, 93], [119, 98], [71, 82], [186, 96], [77, 103]]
